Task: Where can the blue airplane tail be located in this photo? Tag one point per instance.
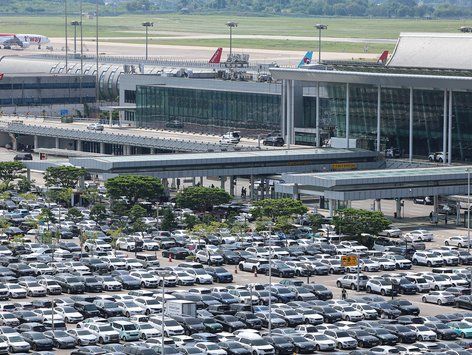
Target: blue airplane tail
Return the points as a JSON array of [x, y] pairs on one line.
[[306, 59]]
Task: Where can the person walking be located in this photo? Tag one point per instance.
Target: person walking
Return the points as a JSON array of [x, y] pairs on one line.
[[344, 294]]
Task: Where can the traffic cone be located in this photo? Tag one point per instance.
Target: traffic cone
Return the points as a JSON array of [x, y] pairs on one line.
[[170, 258]]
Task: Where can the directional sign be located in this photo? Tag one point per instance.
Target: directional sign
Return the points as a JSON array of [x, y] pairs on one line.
[[349, 260]]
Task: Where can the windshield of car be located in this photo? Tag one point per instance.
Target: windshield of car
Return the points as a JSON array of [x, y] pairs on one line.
[[129, 327], [171, 323], [105, 328]]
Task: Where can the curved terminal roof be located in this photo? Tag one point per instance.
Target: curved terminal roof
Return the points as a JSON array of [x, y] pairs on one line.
[[433, 50]]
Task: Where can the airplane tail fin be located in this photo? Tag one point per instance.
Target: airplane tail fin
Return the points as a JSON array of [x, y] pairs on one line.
[[383, 57], [1, 76], [306, 59], [216, 58]]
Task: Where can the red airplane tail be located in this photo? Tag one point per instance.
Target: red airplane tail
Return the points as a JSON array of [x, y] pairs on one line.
[[216, 58], [383, 57]]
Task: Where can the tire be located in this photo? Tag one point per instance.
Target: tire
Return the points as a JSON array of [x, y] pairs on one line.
[[353, 287], [361, 344], [331, 271], [388, 235], [368, 289], [463, 335], [382, 292], [423, 299], [147, 312], [338, 284], [436, 288], [348, 318], [446, 243], [101, 341], [415, 262], [459, 245], [317, 347], [127, 314], [439, 302], [420, 338], [254, 269], [428, 264], [240, 267]]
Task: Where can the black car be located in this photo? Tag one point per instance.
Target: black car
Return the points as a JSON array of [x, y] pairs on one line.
[[61, 339], [264, 297], [442, 330], [109, 309], [87, 309], [70, 284], [219, 274], [174, 124], [385, 337], [128, 282], [405, 307], [234, 348], [230, 323], [225, 298], [320, 291], [69, 246], [281, 270], [190, 324], [230, 257], [277, 141], [302, 345], [364, 339], [31, 327], [89, 350], [385, 310], [404, 334], [178, 253], [330, 315], [20, 269], [38, 341], [282, 344], [249, 319], [464, 301], [28, 317], [95, 265], [91, 284]]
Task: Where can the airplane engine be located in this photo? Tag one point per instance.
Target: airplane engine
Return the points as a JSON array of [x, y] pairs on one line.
[[25, 44]]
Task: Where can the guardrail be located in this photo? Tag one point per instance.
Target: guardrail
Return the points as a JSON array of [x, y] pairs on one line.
[[172, 144]]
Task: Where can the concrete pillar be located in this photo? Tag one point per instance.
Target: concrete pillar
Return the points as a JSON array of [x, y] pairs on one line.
[[165, 185], [193, 181], [331, 207], [410, 135], [82, 183], [126, 150], [153, 150], [56, 142], [110, 118], [435, 204], [102, 148], [449, 134], [231, 185], [379, 111], [35, 142], [28, 175], [262, 188], [283, 123], [444, 142], [458, 213], [398, 207], [379, 204], [347, 115], [172, 185], [251, 187], [79, 145], [223, 182], [201, 180], [296, 193], [267, 186], [14, 141], [318, 141]]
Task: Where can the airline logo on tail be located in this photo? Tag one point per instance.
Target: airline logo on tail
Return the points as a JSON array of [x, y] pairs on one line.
[[306, 59], [383, 58], [216, 58]]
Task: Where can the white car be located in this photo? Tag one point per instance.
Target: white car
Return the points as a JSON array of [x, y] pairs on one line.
[[438, 297], [438, 282], [211, 348], [459, 241], [48, 314], [379, 286], [110, 284], [184, 279], [385, 264], [369, 265], [367, 311], [349, 313], [33, 289], [149, 304], [322, 342], [96, 245], [41, 269], [9, 319], [83, 336], [147, 279], [16, 343], [133, 264], [130, 308], [69, 314], [400, 261], [448, 257], [342, 339], [15, 291], [149, 244], [201, 277], [419, 235], [114, 263], [423, 333], [426, 258], [231, 138], [207, 257], [104, 332], [171, 327], [457, 281], [147, 331], [125, 243], [95, 127], [391, 232]]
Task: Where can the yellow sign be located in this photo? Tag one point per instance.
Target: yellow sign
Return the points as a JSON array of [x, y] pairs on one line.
[[349, 260], [344, 166]]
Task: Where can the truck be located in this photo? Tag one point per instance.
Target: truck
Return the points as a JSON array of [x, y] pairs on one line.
[[339, 142], [181, 308]]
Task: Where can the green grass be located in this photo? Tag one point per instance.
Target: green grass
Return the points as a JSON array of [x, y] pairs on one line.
[[271, 44]]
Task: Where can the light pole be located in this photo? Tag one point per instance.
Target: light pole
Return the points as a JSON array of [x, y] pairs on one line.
[[320, 27], [270, 224], [66, 35], [75, 24], [231, 25], [97, 89], [468, 212], [147, 25], [163, 275]]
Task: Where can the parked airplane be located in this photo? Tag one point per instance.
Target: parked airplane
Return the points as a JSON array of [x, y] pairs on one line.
[[9, 40], [216, 58], [306, 59]]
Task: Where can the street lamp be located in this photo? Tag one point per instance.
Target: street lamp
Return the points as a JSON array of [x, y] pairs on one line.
[[163, 274], [147, 25], [231, 25], [75, 24], [468, 211], [320, 27]]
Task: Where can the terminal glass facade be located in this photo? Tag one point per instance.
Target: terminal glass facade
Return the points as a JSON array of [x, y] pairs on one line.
[[428, 107]]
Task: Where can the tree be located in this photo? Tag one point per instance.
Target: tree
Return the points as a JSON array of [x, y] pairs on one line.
[[168, 220], [283, 224], [190, 220], [24, 185], [74, 215], [201, 198], [10, 171], [60, 195], [136, 215], [274, 208], [134, 188], [98, 212], [353, 221], [316, 220], [47, 217], [64, 176]]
